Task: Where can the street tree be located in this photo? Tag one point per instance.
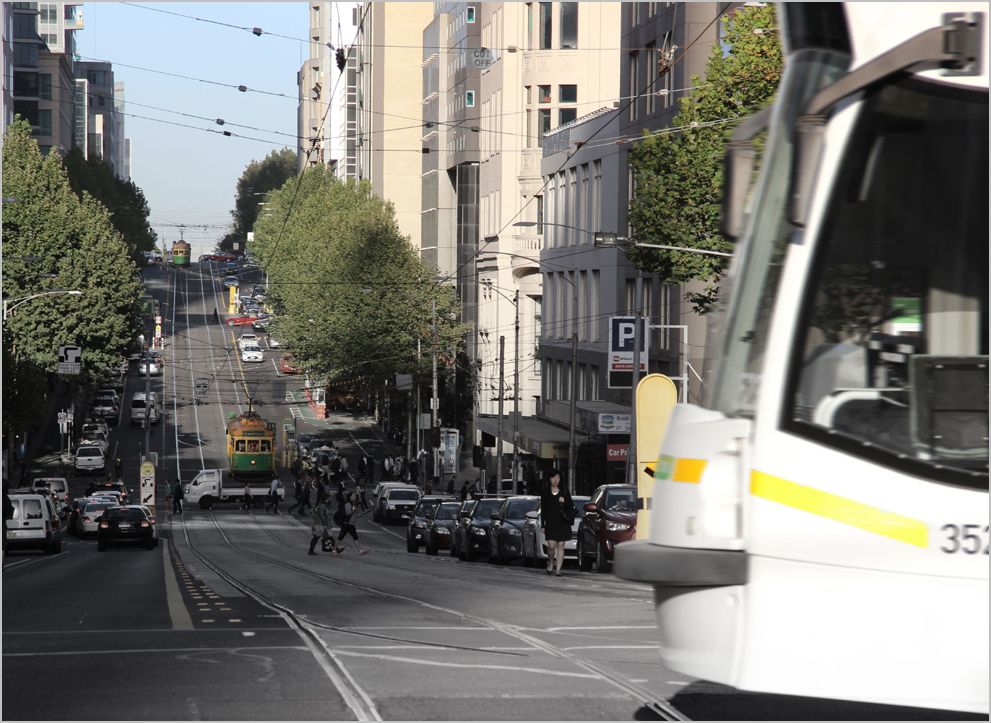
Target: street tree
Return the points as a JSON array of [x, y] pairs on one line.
[[352, 294], [258, 178], [55, 241], [678, 175]]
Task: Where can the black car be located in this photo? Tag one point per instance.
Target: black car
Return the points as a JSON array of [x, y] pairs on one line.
[[416, 531], [470, 534], [439, 525], [126, 525], [506, 530]]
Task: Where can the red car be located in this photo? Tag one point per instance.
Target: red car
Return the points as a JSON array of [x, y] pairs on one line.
[[286, 365], [242, 320], [607, 519]]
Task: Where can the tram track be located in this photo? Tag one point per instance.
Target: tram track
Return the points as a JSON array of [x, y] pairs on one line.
[[662, 709]]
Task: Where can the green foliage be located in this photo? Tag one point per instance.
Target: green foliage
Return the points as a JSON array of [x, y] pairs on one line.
[[54, 241], [679, 175], [352, 294], [124, 200], [258, 178]]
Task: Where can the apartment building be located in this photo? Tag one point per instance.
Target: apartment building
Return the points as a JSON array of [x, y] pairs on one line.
[[342, 151], [313, 89], [7, 26], [588, 187], [551, 62], [102, 132], [389, 114]]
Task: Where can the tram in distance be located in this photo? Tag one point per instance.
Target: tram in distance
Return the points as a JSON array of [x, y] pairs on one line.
[[180, 253], [819, 522], [250, 446]]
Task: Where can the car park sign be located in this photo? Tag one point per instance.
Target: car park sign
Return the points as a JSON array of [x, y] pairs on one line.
[[622, 340], [148, 485]]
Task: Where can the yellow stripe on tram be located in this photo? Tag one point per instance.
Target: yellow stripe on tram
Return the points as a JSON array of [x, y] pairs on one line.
[[840, 509], [688, 470]]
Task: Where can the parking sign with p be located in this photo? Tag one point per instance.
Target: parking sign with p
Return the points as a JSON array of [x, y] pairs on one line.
[[622, 343]]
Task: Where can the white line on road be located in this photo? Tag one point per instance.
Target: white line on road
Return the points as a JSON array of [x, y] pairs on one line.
[[177, 609], [611, 647], [443, 664], [597, 627], [143, 651]]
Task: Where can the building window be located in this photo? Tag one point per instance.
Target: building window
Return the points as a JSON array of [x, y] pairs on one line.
[[583, 297], [567, 93], [566, 115], [545, 26], [594, 384], [665, 58], [632, 88], [44, 122], [469, 99], [593, 307], [596, 223], [544, 118], [527, 94], [651, 59], [540, 214], [582, 382], [545, 93], [45, 86], [470, 14], [569, 25]]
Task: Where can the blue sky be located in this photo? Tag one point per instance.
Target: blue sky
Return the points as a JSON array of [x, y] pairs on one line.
[[188, 175]]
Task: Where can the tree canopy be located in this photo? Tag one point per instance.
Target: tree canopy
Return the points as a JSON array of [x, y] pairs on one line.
[[258, 178], [678, 176], [352, 294]]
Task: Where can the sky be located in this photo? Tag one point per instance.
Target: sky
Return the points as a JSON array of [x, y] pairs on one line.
[[188, 175]]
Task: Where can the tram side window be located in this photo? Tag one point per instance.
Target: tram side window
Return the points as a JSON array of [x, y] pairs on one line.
[[239, 445], [266, 446], [893, 359], [252, 445]]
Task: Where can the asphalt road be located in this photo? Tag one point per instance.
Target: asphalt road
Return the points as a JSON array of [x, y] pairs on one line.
[[229, 618]]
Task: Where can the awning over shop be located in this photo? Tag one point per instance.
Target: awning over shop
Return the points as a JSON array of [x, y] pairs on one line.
[[537, 437]]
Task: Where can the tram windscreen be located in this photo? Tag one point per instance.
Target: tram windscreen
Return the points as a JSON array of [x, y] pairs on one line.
[[892, 362]]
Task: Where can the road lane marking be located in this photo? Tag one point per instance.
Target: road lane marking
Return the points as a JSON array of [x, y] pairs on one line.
[[177, 609], [143, 651], [596, 627], [444, 664]]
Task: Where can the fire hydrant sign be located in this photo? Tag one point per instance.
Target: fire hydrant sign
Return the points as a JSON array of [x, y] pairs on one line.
[[147, 495]]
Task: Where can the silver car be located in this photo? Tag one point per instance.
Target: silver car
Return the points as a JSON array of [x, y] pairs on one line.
[[149, 365]]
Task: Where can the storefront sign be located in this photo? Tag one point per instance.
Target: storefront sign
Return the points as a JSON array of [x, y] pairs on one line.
[[617, 452], [614, 424]]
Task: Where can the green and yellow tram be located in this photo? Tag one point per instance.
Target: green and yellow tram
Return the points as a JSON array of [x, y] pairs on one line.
[[250, 446], [180, 253]]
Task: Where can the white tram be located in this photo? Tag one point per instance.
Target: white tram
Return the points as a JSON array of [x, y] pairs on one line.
[[819, 525]]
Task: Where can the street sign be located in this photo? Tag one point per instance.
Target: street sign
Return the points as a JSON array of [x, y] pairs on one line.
[[147, 495], [482, 58], [62, 418], [69, 360], [622, 339], [449, 448]]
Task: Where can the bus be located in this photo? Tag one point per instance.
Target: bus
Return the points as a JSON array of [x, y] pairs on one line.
[[250, 445], [819, 520], [180, 253]]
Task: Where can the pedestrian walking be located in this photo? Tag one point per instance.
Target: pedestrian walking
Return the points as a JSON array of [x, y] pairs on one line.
[[464, 490], [246, 498], [362, 467], [371, 469], [319, 525], [273, 494], [414, 471], [387, 467], [118, 467], [557, 512], [345, 517], [177, 496], [343, 467], [306, 495], [297, 488], [362, 499]]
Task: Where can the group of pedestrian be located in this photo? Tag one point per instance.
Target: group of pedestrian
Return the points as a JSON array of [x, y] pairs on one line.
[[348, 503]]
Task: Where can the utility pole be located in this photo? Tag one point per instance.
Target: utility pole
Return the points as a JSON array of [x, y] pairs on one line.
[[631, 457], [416, 458], [574, 386], [147, 408], [502, 358], [516, 399], [434, 405]]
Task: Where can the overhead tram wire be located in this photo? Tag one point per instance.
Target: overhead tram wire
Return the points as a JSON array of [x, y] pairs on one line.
[[573, 153]]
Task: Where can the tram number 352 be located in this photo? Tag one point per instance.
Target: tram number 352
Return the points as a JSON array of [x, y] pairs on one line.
[[964, 538]]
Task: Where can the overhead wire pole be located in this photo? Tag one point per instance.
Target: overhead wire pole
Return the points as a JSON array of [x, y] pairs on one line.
[[502, 358], [434, 404], [631, 456], [516, 397]]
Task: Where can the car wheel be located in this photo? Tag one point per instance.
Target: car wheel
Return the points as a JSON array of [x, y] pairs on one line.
[[602, 564], [411, 546], [584, 563], [101, 546], [206, 502], [230, 322]]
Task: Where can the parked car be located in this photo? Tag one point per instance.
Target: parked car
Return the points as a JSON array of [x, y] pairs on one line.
[[97, 438], [109, 487], [470, 534], [261, 324], [534, 544], [252, 354], [230, 281], [89, 518], [506, 530], [150, 366], [248, 339], [96, 426], [106, 404], [396, 504], [378, 493], [416, 530], [126, 525], [273, 343], [241, 320], [607, 519], [286, 365], [34, 523], [75, 514], [439, 524], [90, 459], [142, 406]]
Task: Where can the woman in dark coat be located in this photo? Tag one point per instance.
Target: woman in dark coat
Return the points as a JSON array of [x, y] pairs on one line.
[[557, 512]]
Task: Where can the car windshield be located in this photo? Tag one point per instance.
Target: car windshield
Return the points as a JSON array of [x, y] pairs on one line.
[[486, 508], [447, 511], [403, 495], [618, 500], [251, 347], [519, 508], [426, 507], [96, 507]]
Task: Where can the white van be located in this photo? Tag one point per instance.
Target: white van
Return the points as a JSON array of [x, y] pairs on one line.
[[138, 404], [34, 524]]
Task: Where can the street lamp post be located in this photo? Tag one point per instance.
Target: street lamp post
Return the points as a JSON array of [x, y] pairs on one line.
[[10, 304]]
